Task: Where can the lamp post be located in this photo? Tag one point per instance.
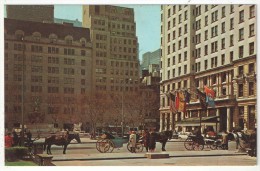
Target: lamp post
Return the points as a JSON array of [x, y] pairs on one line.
[[122, 114], [22, 134]]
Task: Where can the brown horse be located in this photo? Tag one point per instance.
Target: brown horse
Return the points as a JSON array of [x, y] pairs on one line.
[[63, 140]]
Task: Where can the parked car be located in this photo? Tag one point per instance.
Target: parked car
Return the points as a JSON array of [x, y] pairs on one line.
[[183, 135]]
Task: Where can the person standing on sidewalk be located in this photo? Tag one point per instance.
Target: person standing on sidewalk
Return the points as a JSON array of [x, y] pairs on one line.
[[152, 141], [146, 137], [8, 140], [132, 141]]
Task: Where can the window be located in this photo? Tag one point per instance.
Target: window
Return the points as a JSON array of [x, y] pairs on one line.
[[214, 62], [214, 47], [214, 31], [222, 59], [223, 27], [231, 55], [185, 69], [174, 9], [206, 8], [240, 90], [223, 43], [240, 70], [251, 48], [179, 44], [179, 71], [180, 18], [251, 68], [173, 35], [223, 12], [251, 88], [173, 73], [185, 56], [214, 79], [168, 76], [173, 60], [231, 40], [180, 31], [241, 16], [185, 28], [206, 50], [206, 35], [231, 9], [206, 64], [214, 16], [169, 25], [185, 42], [251, 30], [198, 26], [173, 47], [169, 13], [224, 77], [179, 58], [169, 37], [241, 51], [206, 20], [185, 15], [252, 11], [169, 50], [241, 34], [169, 62], [231, 23], [173, 22]]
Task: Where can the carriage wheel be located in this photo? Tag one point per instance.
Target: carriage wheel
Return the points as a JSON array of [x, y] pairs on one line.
[[197, 145], [111, 146], [139, 147], [128, 147], [102, 145], [188, 144]]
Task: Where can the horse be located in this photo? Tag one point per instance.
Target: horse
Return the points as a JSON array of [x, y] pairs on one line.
[[163, 137], [63, 140]]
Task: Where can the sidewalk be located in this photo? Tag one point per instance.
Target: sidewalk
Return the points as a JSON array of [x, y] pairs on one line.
[[128, 155]]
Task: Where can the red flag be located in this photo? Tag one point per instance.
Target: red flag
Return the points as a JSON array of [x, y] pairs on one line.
[[177, 100], [209, 92], [172, 103]]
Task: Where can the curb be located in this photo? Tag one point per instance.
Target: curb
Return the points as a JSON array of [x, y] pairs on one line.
[[142, 157]]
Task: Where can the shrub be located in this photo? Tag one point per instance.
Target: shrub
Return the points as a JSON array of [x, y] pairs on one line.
[[14, 153]]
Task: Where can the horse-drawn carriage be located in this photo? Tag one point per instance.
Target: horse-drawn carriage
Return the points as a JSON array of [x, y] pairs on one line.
[[108, 142]]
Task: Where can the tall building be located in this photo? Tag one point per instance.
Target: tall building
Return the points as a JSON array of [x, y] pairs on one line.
[[150, 58], [115, 47], [212, 45], [52, 63], [37, 13]]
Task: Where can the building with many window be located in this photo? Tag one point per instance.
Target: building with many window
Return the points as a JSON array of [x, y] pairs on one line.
[[51, 63], [115, 53], [212, 45]]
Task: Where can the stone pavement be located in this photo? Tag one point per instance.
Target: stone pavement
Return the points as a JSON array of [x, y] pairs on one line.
[[128, 155]]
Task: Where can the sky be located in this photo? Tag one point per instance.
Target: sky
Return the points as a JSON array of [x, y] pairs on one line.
[[147, 18]]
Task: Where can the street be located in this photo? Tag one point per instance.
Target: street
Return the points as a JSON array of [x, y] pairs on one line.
[[182, 158]]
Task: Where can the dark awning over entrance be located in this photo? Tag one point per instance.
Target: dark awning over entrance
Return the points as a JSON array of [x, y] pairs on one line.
[[196, 121]]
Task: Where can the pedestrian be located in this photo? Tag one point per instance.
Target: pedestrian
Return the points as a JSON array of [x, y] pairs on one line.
[[132, 141], [225, 140], [15, 138], [152, 140], [146, 137], [8, 140]]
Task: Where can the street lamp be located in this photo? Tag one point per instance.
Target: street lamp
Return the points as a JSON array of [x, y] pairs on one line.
[[22, 135], [122, 114]]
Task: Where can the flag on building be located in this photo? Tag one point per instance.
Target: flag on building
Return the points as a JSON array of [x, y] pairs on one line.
[[182, 102], [187, 96], [210, 101], [209, 92], [172, 103], [202, 98], [177, 100]]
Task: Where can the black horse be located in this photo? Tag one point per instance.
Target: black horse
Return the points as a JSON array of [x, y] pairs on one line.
[[163, 137], [63, 140]]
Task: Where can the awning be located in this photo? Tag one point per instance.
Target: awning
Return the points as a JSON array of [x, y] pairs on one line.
[[211, 120]]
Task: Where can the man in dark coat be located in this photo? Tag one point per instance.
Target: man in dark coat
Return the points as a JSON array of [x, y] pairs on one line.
[[152, 141]]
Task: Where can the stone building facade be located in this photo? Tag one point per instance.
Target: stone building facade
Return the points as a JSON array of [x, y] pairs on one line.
[[212, 45], [51, 63]]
